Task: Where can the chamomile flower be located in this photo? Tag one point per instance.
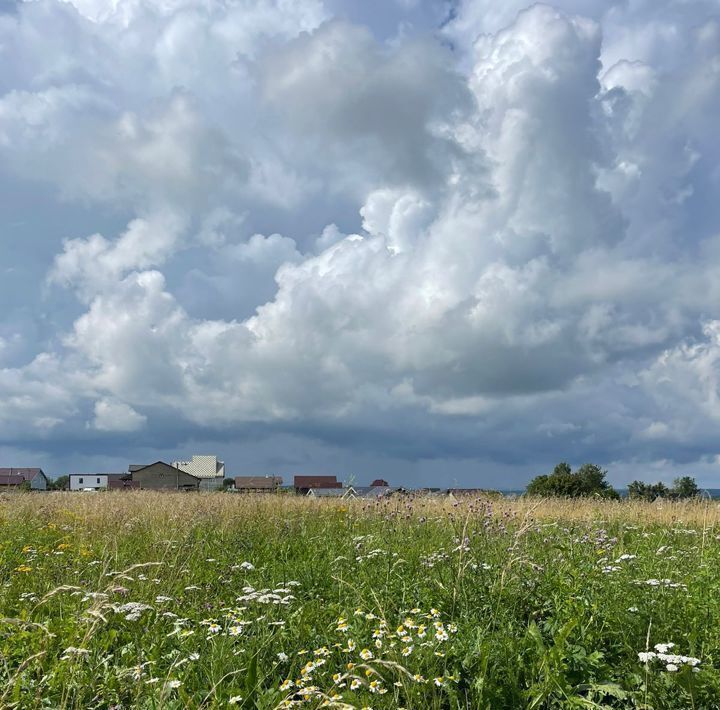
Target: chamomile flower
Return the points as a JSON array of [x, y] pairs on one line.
[[366, 654]]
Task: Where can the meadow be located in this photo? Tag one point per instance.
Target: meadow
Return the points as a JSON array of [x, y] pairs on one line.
[[156, 600]]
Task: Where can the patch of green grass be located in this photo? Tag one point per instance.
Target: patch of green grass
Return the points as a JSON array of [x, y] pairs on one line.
[[170, 601]]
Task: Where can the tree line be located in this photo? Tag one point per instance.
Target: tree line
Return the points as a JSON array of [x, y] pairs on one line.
[[590, 480]]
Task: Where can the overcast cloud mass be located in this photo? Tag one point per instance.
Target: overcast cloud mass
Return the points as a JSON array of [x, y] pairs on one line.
[[443, 242]]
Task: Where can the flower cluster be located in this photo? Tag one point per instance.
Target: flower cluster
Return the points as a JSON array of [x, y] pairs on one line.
[[673, 661]]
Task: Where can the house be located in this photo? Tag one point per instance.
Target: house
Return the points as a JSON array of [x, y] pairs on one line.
[[258, 484], [379, 482], [376, 491], [98, 481], [331, 493], [161, 476], [14, 478], [303, 484], [207, 468]]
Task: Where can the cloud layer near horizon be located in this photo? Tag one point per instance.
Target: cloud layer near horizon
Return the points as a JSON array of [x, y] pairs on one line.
[[463, 234]]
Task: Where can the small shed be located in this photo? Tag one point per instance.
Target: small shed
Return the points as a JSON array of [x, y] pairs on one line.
[[258, 484]]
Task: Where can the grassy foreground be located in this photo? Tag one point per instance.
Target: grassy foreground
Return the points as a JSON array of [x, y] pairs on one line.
[[144, 600]]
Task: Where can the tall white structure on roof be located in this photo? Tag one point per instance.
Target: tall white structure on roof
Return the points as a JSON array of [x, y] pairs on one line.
[[208, 469]]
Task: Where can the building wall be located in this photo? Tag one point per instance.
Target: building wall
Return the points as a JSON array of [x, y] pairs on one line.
[[211, 484], [202, 467], [39, 483], [79, 481], [162, 476]]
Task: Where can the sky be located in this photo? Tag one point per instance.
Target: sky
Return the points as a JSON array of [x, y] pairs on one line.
[[441, 242]]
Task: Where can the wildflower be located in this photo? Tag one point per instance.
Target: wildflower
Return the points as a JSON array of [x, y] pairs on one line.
[[441, 635], [247, 566], [378, 643], [351, 646], [174, 683], [366, 654], [235, 699], [193, 656], [406, 651], [421, 631], [375, 686], [235, 630], [283, 657], [23, 568], [214, 628], [355, 684], [439, 681], [152, 681], [286, 685], [671, 667], [664, 647], [418, 678]]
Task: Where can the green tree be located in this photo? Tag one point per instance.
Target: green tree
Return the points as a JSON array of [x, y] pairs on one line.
[[588, 480], [685, 487], [61, 483], [639, 490]]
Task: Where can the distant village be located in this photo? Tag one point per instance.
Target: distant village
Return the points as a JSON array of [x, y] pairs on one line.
[[204, 473]]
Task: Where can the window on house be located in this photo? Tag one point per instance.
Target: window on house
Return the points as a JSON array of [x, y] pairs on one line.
[[80, 481], [98, 480]]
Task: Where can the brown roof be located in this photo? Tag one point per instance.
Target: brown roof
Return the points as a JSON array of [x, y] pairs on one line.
[[27, 474], [258, 481], [317, 482], [11, 480]]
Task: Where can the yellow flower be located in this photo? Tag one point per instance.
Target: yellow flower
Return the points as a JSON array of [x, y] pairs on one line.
[[23, 568], [63, 546]]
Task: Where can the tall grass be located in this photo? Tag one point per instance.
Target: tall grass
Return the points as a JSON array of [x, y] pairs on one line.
[[157, 600]]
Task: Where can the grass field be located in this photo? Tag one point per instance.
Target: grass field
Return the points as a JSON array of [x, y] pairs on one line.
[[144, 600]]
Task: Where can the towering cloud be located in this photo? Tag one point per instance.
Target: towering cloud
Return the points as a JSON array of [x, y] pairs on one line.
[[491, 239]]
